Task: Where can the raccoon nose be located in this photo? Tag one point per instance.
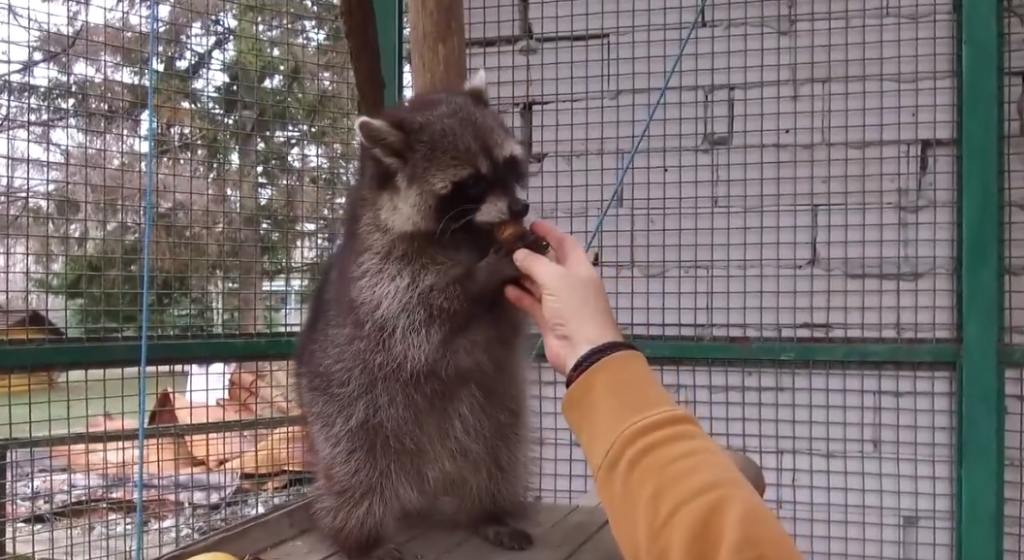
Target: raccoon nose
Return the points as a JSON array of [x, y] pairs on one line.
[[518, 208]]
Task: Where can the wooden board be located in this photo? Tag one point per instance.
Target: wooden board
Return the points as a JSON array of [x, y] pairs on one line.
[[600, 547], [254, 535], [538, 523], [17, 383], [590, 499], [560, 532]]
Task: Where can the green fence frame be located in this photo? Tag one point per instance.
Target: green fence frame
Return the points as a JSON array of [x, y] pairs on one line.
[[981, 380], [979, 355]]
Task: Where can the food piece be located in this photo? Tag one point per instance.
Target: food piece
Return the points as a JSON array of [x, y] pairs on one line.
[[535, 243], [515, 235], [510, 232]]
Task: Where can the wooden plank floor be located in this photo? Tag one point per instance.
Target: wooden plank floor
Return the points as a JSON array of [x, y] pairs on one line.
[[560, 533]]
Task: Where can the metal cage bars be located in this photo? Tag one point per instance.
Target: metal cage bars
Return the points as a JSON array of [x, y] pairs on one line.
[[980, 407], [980, 355]]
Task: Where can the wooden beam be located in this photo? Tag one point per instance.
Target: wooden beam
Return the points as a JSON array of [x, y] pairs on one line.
[[359, 22], [437, 43]]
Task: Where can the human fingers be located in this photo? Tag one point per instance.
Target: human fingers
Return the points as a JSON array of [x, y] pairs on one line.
[[531, 286], [526, 302], [538, 268], [568, 250], [532, 307]]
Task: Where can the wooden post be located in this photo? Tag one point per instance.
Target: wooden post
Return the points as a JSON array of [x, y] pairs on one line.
[[360, 24], [437, 43]]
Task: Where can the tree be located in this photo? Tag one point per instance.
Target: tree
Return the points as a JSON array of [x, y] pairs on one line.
[[252, 154], [360, 23]]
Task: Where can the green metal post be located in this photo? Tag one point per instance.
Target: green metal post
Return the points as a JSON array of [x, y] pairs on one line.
[[979, 528], [389, 33]]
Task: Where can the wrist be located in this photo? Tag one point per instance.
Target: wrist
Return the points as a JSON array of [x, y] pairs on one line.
[[595, 355], [578, 350]]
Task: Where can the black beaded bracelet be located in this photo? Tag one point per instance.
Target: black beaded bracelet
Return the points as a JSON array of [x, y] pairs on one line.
[[594, 355]]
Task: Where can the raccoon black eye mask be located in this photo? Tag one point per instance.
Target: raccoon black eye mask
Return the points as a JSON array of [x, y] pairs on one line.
[[486, 198]]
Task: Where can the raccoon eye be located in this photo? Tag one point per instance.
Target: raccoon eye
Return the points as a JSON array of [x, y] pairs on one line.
[[473, 187], [512, 170]]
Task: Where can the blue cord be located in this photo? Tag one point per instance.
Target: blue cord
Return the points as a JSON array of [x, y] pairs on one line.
[[643, 134], [147, 233]]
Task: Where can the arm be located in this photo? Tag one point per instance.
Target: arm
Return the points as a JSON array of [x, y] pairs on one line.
[[668, 489]]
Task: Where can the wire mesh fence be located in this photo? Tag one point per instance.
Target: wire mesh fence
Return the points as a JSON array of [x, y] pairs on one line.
[[200, 467], [252, 149], [234, 120], [1013, 138], [793, 182]]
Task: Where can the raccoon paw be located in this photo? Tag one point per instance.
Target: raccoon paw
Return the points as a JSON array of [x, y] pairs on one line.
[[505, 536], [497, 269]]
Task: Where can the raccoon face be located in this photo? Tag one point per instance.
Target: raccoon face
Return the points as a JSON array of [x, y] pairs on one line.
[[448, 162]]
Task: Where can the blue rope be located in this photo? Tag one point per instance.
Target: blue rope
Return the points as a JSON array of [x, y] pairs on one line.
[[147, 234], [647, 125], [643, 134]]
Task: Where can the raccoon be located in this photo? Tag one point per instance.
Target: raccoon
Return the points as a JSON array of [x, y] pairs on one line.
[[411, 362]]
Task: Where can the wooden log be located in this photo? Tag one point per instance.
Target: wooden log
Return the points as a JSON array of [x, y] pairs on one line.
[[359, 21], [437, 41]]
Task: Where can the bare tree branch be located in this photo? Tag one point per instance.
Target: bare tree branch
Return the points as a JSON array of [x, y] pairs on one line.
[[29, 65]]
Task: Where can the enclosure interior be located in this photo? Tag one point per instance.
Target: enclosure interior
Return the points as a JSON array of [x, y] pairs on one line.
[[776, 221]]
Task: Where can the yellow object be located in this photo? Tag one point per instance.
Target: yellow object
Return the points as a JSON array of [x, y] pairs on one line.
[[15, 383], [213, 556], [669, 490], [24, 325], [21, 333]]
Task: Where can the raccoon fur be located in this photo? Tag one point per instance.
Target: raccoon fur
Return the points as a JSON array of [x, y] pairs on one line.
[[411, 362]]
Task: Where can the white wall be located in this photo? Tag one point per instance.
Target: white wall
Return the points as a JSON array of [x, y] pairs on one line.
[[799, 181]]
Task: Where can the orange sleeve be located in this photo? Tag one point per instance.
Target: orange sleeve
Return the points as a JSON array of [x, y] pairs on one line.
[[668, 489]]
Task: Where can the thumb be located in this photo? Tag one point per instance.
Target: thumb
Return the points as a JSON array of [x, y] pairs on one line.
[[533, 265]]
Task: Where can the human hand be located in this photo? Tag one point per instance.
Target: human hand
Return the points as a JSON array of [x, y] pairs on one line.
[[565, 297]]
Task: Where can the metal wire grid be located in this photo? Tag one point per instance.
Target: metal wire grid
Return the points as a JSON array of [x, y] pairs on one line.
[[75, 497], [253, 150], [1013, 537], [254, 147], [797, 183], [1013, 138], [859, 462], [794, 191], [566, 69]]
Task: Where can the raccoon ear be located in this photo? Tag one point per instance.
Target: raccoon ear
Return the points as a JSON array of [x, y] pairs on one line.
[[385, 141], [476, 88]]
